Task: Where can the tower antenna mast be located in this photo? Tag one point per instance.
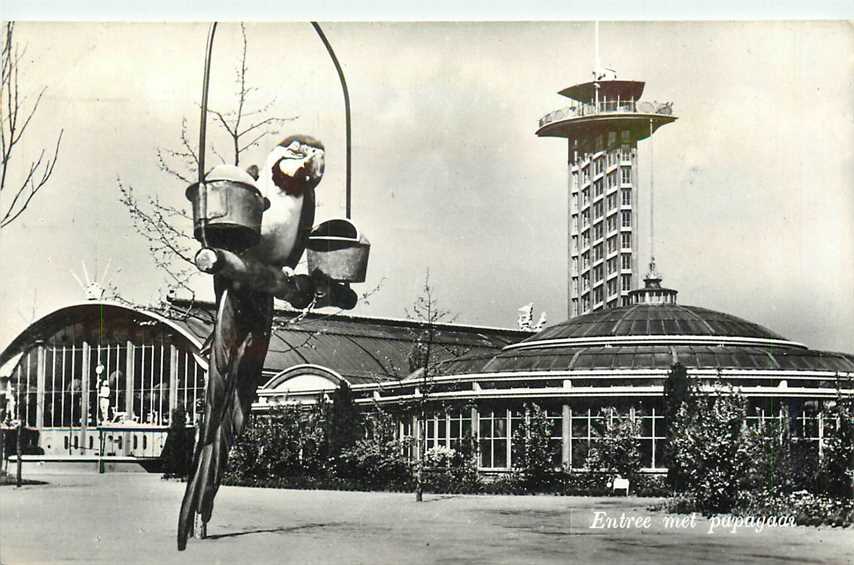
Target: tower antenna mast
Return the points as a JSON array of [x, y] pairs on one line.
[[596, 63], [651, 199]]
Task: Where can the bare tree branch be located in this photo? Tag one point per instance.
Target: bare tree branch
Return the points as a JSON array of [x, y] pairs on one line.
[[12, 130]]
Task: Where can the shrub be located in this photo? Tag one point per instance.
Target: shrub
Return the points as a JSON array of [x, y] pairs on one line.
[[711, 450], [450, 470], [835, 470], [616, 449], [678, 392], [533, 455], [806, 508], [344, 427], [379, 461], [771, 457], [288, 441]]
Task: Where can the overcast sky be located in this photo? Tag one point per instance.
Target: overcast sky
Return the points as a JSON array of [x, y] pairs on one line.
[[753, 182]]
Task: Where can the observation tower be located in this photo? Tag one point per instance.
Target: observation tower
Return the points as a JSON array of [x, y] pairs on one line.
[[603, 125]]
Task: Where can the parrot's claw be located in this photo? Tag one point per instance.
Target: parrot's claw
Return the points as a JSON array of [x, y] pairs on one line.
[[337, 294]]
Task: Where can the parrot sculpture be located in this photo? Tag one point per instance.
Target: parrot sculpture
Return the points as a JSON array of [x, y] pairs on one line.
[[244, 316]]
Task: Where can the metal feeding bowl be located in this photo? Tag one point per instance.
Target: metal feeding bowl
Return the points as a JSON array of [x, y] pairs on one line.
[[232, 219], [337, 249]]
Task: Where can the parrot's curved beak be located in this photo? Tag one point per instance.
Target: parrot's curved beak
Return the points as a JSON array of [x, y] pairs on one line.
[[300, 169]]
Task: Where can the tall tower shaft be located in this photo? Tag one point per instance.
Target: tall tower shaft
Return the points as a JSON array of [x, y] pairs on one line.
[[603, 126]]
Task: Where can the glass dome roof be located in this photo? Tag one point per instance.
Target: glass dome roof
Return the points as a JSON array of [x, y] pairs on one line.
[[655, 320]]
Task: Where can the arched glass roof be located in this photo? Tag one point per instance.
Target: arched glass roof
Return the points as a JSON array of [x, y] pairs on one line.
[[655, 320]]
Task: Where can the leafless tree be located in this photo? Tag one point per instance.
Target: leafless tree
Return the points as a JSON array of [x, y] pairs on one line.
[[15, 117], [427, 353], [167, 229]]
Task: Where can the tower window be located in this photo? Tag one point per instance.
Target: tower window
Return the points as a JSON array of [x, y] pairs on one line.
[[612, 244], [627, 197], [627, 282], [627, 240], [625, 261], [626, 175], [627, 218]]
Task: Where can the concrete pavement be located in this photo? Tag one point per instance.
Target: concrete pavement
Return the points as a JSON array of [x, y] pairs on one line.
[[131, 518]]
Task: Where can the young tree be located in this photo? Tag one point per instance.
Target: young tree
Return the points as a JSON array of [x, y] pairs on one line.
[[15, 117], [426, 353]]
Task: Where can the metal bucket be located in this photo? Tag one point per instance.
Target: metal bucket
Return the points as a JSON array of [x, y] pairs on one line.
[[234, 209], [337, 249]]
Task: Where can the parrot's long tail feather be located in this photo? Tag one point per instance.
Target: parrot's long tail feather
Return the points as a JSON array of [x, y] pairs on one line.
[[195, 487], [238, 348]]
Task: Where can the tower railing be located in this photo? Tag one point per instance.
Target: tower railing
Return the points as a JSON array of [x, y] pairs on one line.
[[583, 109]]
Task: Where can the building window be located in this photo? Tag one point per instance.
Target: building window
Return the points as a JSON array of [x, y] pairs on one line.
[[598, 187], [611, 225], [612, 138], [626, 240], [612, 202], [626, 261], [448, 429], [612, 287], [597, 295], [612, 244], [597, 231], [627, 196], [626, 282], [493, 438], [626, 136], [626, 175], [627, 218]]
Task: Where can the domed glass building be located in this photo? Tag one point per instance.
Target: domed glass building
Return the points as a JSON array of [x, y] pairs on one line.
[[620, 358]]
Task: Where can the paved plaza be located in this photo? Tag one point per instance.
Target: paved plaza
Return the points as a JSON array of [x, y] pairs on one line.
[[131, 518]]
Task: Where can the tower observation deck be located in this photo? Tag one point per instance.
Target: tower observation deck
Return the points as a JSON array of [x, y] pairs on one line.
[[603, 125]]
